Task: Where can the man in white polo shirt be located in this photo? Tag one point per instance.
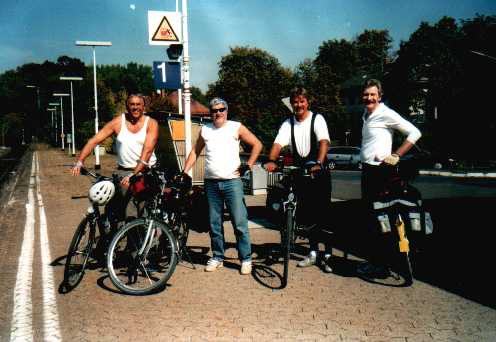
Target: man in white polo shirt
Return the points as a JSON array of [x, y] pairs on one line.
[[379, 124]]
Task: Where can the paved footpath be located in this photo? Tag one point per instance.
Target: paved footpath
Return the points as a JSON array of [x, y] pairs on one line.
[[223, 305]]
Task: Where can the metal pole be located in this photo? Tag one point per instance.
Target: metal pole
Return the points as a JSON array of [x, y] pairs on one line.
[[56, 127], [73, 140], [97, 148], [62, 124], [187, 93], [38, 98]]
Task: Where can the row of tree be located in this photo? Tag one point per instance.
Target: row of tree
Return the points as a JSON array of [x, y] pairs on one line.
[[443, 74]]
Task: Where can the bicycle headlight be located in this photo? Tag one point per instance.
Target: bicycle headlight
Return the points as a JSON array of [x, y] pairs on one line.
[[276, 206]]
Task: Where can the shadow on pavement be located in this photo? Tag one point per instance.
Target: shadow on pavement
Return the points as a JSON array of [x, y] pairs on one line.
[[458, 257]]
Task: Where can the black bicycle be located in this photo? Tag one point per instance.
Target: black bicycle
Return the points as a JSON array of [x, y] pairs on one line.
[[400, 213], [283, 200], [144, 253], [90, 240]]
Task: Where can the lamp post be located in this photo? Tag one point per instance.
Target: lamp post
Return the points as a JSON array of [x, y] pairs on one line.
[[62, 135], [55, 104], [37, 102], [73, 137], [51, 110], [93, 44], [37, 94]]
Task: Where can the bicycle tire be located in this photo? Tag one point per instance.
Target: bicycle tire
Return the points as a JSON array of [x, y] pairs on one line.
[[136, 274], [79, 251], [286, 237]]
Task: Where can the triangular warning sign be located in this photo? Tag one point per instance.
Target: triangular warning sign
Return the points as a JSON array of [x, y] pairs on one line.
[[165, 32]]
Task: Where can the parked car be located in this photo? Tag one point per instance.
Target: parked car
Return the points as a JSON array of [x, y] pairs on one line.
[[344, 156]]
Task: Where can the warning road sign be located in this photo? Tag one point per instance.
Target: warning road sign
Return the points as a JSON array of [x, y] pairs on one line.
[[164, 28]]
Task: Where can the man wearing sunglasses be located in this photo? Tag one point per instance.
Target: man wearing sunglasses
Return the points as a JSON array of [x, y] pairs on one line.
[[223, 185]]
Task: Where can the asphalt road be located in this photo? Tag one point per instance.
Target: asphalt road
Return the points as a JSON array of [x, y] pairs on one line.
[[346, 185]]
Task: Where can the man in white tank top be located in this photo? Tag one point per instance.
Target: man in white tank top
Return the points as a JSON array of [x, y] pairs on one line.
[[137, 136], [222, 183]]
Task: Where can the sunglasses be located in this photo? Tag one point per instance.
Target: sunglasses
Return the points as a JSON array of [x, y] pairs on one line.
[[222, 110]]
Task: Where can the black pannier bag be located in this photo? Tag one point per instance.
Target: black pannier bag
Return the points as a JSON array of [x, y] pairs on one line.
[[197, 210]]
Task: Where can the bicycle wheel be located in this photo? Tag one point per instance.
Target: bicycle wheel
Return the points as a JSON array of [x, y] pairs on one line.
[[138, 265], [79, 252], [286, 237]]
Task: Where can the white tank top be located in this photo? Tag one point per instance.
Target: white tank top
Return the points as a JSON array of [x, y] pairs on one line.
[[221, 150], [130, 145]]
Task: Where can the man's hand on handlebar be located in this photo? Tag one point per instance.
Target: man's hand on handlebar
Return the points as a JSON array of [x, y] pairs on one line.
[[270, 166], [126, 180], [76, 169]]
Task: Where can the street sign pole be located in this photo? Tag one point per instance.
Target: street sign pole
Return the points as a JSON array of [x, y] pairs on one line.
[[187, 93]]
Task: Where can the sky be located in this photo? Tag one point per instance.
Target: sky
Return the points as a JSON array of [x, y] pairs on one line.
[[33, 31]]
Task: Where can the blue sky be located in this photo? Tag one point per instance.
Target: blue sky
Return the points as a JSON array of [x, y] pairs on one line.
[[291, 30]]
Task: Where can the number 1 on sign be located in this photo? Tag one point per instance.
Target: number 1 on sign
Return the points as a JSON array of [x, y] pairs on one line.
[[162, 67]]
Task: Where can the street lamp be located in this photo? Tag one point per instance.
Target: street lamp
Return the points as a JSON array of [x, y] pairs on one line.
[[37, 93], [62, 135], [38, 103], [55, 104], [73, 138], [93, 44], [51, 110]]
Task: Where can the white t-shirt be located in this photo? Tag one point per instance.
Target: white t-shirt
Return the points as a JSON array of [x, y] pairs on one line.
[[302, 133], [221, 150], [130, 145], [377, 133]]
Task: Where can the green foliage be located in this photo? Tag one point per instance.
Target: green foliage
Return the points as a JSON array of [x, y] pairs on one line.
[[253, 82]]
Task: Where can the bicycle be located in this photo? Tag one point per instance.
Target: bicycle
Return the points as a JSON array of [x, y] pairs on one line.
[[87, 239], [284, 203], [143, 254], [398, 209]]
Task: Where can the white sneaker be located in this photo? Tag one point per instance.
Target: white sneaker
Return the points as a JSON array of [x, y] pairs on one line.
[[213, 265], [326, 263], [309, 260], [246, 267]]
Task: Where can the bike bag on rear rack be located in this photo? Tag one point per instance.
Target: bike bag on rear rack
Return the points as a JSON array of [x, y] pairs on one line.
[[407, 202]]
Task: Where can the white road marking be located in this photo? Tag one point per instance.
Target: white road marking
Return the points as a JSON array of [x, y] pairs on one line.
[[51, 331], [22, 315]]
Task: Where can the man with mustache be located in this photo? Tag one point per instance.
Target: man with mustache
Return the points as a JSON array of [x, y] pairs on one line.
[[223, 185], [137, 136], [379, 124], [307, 136]]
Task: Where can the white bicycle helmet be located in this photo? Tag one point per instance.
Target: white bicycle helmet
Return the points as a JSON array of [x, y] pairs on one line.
[[101, 192]]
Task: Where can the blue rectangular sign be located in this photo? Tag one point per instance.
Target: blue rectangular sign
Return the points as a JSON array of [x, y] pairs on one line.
[[167, 75]]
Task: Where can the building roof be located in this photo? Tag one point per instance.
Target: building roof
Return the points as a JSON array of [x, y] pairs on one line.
[[196, 107]]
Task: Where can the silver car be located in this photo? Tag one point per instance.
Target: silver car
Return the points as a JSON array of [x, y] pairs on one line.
[[344, 156]]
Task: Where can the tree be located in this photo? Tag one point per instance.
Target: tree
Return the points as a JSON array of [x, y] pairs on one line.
[[253, 82], [372, 49]]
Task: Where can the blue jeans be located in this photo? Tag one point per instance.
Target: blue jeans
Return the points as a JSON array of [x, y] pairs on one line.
[[230, 192]]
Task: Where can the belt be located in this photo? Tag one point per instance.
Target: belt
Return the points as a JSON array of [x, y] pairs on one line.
[[125, 168]]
